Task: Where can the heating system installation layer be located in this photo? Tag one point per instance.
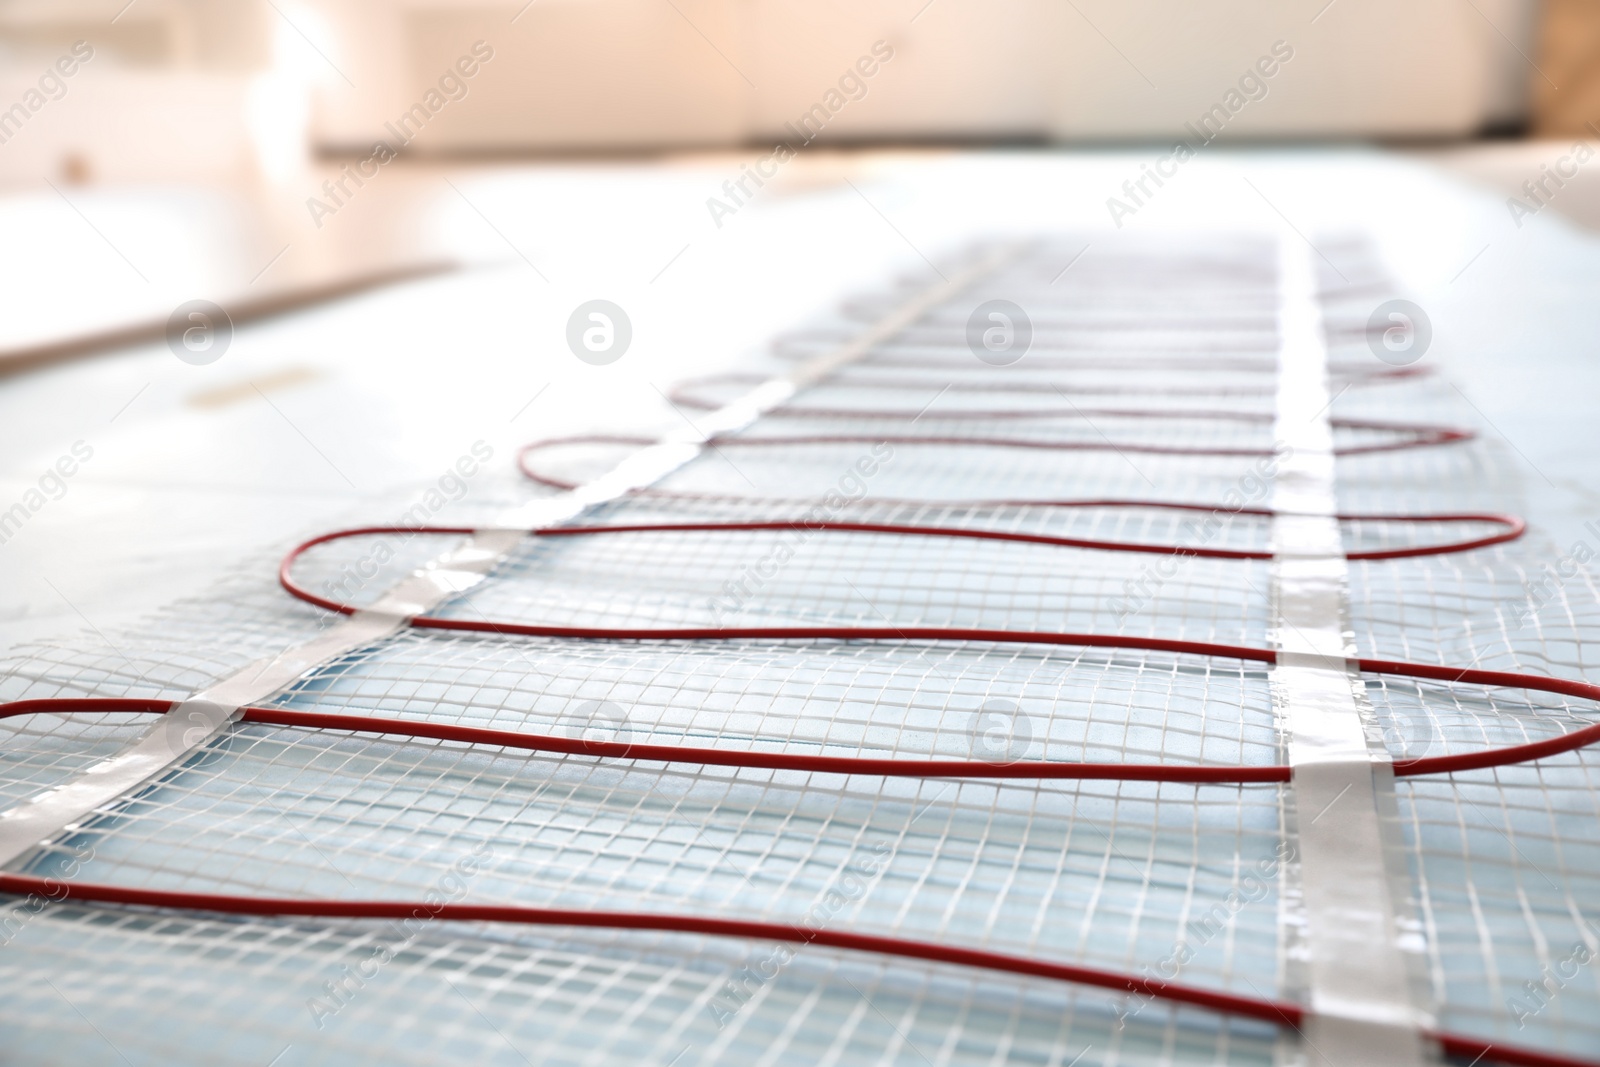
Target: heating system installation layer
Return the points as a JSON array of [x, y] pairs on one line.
[[1121, 665]]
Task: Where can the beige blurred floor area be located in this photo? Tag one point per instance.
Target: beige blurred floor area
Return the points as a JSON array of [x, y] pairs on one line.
[[1510, 167], [90, 268]]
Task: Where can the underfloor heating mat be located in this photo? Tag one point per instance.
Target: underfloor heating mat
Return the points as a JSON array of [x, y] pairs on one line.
[[1115, 665]]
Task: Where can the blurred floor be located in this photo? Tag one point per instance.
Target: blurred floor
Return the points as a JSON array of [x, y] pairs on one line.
[[1505, 167], [336, 412], [95, 267]]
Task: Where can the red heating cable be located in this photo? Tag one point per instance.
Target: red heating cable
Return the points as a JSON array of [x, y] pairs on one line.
[[554, 482], [1039, 769], [1088, 357], [686, 394], [1415, 435], [1511, 526], [1266, 1010]]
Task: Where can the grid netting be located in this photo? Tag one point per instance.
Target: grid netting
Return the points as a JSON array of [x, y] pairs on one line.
[[1123, 875], [1502, 863]]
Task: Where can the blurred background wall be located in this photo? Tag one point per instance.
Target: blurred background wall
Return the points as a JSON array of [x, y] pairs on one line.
[[230, 88]]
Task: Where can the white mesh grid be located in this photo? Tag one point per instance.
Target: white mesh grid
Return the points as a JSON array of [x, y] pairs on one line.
[[1119, 875]]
